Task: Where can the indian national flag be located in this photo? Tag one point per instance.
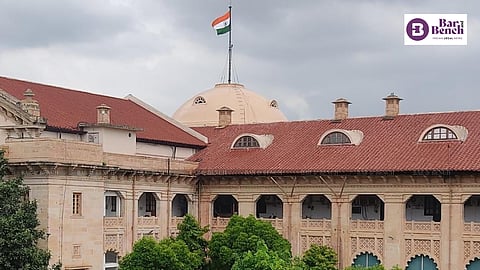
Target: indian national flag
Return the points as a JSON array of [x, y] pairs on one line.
[[222, 24]]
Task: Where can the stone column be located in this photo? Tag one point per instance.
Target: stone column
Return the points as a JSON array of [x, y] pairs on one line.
[[295, 222], [394, 225], [451, 245], [164, 214], [341, 212], [246, 204]]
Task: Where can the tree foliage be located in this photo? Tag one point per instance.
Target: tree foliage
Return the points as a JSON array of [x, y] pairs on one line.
[[19, 234], [320, 258], [241, 236], [261, 259], [192, 234], [168, 254]]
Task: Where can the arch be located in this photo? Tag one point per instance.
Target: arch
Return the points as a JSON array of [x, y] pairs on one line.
[[440, 132], [336, 137], [225, 206], [113, 204], [368, 207], [366, 259], [423, 208], [316, 206], [473, 264], [180, 205], [471, 209], [421, 262], [341, 137], [147, 204], [269, 206], [249, 140]]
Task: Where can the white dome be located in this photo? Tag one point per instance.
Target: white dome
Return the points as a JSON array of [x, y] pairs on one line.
[[248, 107]]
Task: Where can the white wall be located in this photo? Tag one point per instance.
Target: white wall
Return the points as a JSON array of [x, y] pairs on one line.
[[158, 150]]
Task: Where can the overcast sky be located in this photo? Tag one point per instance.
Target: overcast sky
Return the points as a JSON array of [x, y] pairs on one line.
[[303, 53]]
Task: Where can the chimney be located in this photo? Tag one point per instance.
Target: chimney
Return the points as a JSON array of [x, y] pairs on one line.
[[30, 105], [341, 108], [224, 116], [392, 106], [103, 114]]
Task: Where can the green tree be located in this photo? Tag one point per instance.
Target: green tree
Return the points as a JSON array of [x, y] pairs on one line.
[[241, 236], [192, 234], [19, 234], [168, 254], [262, 259], [320, 258]]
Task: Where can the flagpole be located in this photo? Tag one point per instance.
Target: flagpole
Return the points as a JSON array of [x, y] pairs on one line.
[[230, 46]]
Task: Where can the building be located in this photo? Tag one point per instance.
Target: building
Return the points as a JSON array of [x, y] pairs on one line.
[[397, 189]]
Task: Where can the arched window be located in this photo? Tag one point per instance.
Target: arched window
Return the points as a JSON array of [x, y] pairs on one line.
[[199, 100], [474, 264], [440, 133], [336, 138], [246, 142], [366, 260], [421, 262]]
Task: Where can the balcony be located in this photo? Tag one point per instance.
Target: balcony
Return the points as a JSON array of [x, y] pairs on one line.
[[471, 228], [113, 223], [277, 223], [422, 227], [359, 225], [316, 224], [219, 224]]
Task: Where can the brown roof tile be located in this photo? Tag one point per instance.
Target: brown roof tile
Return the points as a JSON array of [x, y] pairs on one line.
[[65, 108], [387, 146]]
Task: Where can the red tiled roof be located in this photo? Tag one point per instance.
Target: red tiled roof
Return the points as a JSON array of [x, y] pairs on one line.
[[388, 146], [65, 108]]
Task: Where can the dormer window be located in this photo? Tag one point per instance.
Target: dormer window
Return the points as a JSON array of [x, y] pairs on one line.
[[444, 133], [246, 142], [249, 140], [440, 133], [341, 137], [336, 138], [199, 100]]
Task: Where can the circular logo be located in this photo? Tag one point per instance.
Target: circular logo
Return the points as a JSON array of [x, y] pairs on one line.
[[417, 29]]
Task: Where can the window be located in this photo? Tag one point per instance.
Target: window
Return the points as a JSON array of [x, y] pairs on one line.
[[199, 100], [336, 138], [111, 260], [112, 204], [366, 260], [246, 142], [77, 203], [440, 133], [150, 203], [274, 104], [421, 262]]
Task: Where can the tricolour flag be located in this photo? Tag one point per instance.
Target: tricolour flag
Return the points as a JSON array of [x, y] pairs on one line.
[[222, 24]]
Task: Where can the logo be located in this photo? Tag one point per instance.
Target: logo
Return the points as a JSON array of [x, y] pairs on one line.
[[435, 29], [417, 29]]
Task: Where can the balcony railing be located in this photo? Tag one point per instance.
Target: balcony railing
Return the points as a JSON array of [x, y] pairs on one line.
[[366, 225], [277, 223], [174, 221], [219, 224], [316, 224], [113, 222], [471, 227], [147, 222], [422, 226]]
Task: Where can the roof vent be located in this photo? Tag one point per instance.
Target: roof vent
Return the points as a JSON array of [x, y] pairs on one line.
[[103, 114], [392, 106], [341, 108], [224, 116]]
